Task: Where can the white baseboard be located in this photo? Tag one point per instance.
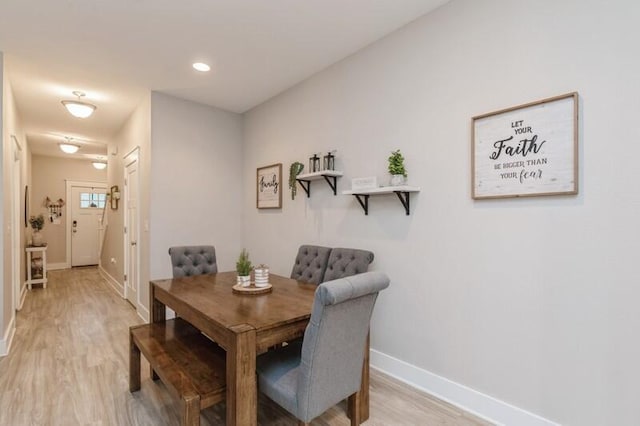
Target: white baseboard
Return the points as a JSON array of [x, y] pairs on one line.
[[119, 288], [56, 266], [484, 406], [143, 313], [23, 295], [5, 343]]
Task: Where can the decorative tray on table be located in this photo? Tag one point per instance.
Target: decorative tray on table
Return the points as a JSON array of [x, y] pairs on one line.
[[252, 289]]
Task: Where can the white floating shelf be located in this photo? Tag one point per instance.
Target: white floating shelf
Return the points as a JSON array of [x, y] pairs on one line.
[[383, 190], [331, 176], [401, 191], [319, 175]]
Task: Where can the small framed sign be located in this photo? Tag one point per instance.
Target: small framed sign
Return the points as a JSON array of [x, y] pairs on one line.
[[527, 150], [268, 185]]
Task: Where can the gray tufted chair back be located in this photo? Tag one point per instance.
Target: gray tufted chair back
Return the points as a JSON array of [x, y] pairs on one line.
[[193, 260], [308, 378], [310, 263], [345, 262]]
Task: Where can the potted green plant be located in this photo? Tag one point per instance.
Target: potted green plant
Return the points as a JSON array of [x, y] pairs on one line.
[[243, 268], [396, 168], [37, 223], [294, 170]]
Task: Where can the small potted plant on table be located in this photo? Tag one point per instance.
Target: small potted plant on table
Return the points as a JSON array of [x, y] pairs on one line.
[[243, 268], [37, 223]]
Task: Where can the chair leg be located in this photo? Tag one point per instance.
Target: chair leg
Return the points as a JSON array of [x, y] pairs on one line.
[[353, 408]]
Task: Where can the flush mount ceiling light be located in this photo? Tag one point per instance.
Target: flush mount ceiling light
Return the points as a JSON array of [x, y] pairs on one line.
[[99, 165], [68, 147], [199, 66], [78, 108]]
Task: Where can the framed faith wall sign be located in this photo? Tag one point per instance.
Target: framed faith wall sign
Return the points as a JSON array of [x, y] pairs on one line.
[[268, 185], [528, 150]]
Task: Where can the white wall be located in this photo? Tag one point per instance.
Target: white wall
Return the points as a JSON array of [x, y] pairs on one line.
[[531, 301], [6, 314], [196, 181], [135, 133]]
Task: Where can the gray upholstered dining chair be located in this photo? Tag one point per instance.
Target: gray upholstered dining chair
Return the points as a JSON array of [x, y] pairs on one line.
[[345, 262], [310, 263], [308, 377], [193, 260]]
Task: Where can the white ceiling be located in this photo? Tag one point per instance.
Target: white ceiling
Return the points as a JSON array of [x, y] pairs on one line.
[[117, 50]]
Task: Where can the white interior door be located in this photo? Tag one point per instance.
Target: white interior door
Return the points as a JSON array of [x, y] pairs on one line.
[[86, 212], [16, 225], [131, 206]]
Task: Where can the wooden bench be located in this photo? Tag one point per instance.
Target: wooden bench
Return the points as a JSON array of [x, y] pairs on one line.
[[188, 363]]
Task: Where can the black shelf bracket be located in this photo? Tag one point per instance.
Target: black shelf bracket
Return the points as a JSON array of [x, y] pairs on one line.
[[334, 184], [404, 199], [307, 188], [331, 180], [363, 199]]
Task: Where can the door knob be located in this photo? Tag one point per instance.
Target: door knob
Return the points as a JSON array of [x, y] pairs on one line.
[[133, 243]]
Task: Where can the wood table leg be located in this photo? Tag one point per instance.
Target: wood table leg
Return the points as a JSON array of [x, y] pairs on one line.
[[158, 314], [134, 365], [242, 391]]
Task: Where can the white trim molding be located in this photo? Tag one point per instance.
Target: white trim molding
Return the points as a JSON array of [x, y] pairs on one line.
[[5, 343], [477, 403], [23, 295], [57, 266], [117, 287], [143, 313]]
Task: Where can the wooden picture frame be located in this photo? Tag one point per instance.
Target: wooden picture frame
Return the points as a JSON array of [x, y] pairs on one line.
[[269, 187], [527, 150]]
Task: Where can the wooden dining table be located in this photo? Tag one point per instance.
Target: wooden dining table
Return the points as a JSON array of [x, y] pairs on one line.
[[244, 326]]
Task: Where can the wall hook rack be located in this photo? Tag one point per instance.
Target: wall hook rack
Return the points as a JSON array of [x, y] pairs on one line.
[[54, 207]]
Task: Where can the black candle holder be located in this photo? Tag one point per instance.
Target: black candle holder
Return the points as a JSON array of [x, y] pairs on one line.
[[314, 163], [329, 161]]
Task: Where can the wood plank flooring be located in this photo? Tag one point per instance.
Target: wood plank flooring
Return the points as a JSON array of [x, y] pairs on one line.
[[69, 366]]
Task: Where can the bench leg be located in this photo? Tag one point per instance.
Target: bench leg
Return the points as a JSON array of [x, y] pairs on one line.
[[191, 410], [134, 365]]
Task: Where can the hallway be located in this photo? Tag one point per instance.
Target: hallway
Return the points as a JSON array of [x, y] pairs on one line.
[[69, 366]]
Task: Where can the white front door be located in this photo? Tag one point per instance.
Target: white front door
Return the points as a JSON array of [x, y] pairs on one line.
[[86, 211], [131, 249]]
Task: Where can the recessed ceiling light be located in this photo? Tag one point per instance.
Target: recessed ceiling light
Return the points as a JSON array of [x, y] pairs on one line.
[[199, 66]]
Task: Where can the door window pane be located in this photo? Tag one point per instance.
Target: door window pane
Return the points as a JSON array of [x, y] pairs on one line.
[[89, 200]]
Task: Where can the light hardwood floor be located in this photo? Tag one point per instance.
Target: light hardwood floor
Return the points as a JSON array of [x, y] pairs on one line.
[[69, 366]]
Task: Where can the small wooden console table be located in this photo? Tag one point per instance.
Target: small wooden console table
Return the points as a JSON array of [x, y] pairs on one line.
[[36, 274]]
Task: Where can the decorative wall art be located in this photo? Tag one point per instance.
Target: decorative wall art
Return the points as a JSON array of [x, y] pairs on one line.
[[268, 187], [527, 150]]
